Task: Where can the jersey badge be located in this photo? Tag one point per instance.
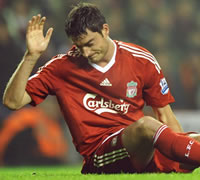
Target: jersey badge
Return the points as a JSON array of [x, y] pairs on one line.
[[114, 141], [131, 90], [164, 86]]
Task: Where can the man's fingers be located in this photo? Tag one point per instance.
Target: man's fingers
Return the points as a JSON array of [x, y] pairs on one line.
[[48, 34], [37, 20], [33, 20], [36, 23], [42, 21], [29, 27]]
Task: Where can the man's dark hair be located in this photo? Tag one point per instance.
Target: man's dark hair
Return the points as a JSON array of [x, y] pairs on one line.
[[84, 16]]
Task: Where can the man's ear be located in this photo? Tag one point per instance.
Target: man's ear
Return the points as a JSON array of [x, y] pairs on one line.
[[105, 30]]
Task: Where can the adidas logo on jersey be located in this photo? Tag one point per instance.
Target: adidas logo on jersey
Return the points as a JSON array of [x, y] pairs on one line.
[[105, 82]]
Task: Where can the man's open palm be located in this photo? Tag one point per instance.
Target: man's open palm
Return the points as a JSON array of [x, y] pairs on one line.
[[36, 41]]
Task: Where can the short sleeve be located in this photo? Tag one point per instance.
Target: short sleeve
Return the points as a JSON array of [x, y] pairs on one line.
[[156, 91], [41, 84]]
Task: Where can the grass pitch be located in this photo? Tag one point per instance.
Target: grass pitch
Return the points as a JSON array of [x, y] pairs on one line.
[[73, 173]]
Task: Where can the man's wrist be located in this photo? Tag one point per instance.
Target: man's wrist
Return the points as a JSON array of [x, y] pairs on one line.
[[31, 56]]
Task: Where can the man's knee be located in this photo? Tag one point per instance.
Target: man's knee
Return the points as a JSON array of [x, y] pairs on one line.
[[140, 132], [138, 140], [146, 127], [141, 128]]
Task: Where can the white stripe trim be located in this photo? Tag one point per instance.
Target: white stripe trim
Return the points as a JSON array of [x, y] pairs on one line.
[[146, 55], [109, 155], [56, 58], [158, 133], [114, 155], [139, 52], [33, 76], [111, 136], [153, 62], [109, 65], [136, 50], [49, 62], [110, 160]]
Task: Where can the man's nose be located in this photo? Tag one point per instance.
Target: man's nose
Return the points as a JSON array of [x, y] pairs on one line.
[[86, 51]]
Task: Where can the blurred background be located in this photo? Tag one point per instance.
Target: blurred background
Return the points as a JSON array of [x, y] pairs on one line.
[[170, 29]]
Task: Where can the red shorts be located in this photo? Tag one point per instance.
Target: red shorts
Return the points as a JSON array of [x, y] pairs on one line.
[[111, 157]]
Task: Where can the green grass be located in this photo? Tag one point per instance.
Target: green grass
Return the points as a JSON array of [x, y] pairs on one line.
[[73, 173]]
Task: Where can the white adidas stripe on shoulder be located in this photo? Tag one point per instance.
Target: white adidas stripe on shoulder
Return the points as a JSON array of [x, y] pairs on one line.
[[134, 48], [56, 58], [137, 52], [33, 76], [49, 62]]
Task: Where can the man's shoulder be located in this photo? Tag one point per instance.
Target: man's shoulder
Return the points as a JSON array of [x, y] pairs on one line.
[[130, 47], [73, 53], [58, 58], [61, 59], [132, 51], [139, 54], [71, 60]]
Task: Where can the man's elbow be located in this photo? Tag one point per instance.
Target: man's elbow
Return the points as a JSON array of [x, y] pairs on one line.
[[10, 104]]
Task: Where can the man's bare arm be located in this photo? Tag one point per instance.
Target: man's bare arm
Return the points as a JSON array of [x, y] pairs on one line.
[[167, 116], [15, 95]]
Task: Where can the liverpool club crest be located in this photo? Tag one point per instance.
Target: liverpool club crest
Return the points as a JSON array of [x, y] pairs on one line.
[[131, 91]]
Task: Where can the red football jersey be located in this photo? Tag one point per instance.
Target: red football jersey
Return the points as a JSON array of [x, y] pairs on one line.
[[96, 101]]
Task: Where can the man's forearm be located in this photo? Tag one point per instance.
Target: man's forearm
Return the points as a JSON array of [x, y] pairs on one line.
[[15, 89], [174, 125], [166, 116]]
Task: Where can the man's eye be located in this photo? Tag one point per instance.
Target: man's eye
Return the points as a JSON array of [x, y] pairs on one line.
[[89, 45]]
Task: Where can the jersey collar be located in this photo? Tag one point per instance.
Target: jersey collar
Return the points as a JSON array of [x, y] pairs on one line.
[[109, 65]]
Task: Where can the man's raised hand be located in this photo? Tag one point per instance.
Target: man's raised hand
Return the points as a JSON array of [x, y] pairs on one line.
[[36, 41]]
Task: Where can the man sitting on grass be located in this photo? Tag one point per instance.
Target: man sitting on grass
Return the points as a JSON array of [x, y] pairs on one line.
[[101, 86]]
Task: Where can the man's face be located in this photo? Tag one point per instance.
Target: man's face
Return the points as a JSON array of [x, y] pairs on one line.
[[93, 45]]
